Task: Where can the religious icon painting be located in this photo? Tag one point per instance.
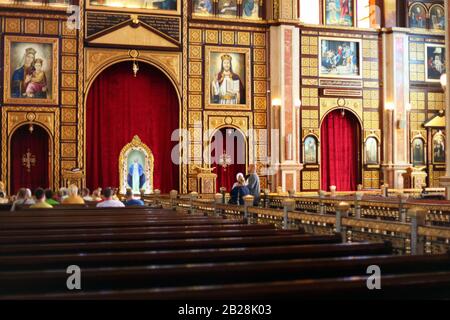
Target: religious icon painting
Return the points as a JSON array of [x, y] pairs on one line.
[[418, 152], [310, 150], [438, 148], [417, 16], [227, 8], [371, 151], [203, 7], [435, 62], [437, 17], [340, 58], [161, 6], [339, 12], [228, 79], [32, 73], [250, 9]]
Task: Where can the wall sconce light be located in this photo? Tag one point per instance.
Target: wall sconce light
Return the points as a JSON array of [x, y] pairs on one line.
[[443, 81], [298, 103], [276, 102], [408, 107], [389, 106]]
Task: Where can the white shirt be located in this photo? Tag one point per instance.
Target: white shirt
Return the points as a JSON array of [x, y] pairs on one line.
[[110, 204]]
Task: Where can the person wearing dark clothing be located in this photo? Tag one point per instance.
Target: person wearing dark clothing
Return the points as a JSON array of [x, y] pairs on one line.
[[239, 191]]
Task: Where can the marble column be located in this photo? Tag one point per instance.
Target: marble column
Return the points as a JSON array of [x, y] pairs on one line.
[[396, 106]]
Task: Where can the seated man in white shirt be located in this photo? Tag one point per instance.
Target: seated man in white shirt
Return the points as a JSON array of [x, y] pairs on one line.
[[108, 201]]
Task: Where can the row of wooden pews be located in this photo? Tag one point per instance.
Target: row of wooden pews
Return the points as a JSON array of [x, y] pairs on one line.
[[144, 253]]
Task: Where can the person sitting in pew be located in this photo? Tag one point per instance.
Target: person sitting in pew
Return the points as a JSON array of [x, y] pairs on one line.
[[131, 201], [23, 198], [96, 195], [49, 197], [39, 194], [85, 194], [108, 201], [73, 197], [62, 194], [239, 191]]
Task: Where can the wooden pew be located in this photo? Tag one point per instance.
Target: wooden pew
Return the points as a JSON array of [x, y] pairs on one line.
[[161, 276]]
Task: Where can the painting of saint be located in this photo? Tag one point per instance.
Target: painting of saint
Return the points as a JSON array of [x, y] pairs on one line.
[[437, 17], [228, 79], [227, 8], [136, 173], [438, 149], [32, 76], [339, 12], [371, 151], [250, 9], [310, 149], [417, 16], [418, 153], [203, 7], [165, 5], [435, 67], [340, 58]]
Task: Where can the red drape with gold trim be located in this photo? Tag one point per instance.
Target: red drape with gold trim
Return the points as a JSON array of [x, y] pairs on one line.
[[339, 151], [37, 143], [120, 106]]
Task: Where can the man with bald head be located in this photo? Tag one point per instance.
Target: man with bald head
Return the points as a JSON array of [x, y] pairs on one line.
[[253, 184]]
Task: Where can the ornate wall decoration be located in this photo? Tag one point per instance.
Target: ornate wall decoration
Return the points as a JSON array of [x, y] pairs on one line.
[[328, 104]]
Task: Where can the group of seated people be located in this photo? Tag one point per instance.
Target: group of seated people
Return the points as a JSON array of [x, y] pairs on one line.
[[244, 187], [106, 198]]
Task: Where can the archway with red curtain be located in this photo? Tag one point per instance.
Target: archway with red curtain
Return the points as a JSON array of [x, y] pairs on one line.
[[340, 151], [29, 158], [120, 106], [228, 143]]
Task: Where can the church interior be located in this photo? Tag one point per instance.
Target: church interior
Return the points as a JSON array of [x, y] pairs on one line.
[[224, 149]]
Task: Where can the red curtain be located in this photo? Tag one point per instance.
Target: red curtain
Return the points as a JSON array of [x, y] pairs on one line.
[[37, 143], [120, 106], [226, 177], [339, 151]]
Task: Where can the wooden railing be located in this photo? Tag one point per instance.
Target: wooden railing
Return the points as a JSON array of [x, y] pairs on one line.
[[410, 227]]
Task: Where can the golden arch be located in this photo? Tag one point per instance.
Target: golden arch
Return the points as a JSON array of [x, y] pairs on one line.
[[122, 58], [51, 157]]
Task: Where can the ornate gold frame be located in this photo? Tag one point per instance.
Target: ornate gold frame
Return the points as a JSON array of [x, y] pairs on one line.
[[360, 58], [248, 79], [439, 133], [55, 68], [136, 144], [427, 13], [355, 13], [430, 27], [428, 45], [377, 139], [316, 138], [425, 148]]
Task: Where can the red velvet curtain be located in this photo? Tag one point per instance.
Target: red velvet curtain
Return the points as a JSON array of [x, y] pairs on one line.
[[226, 177], [339, 151], [120, 106], [37, 143]]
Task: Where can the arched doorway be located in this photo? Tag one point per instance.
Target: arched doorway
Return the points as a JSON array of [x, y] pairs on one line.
[[30, 152], [228, 155], [340, 134], [120, 106]]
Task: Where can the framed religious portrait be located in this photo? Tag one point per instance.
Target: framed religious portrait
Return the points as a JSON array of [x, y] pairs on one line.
[[417, 16], [435, 62], [339, 12], [371, 151], [310, 150], [153, 6], [340, 58], [438, 148], [437, 17], [227, 78], [31, 75], [227, 8], [250, 9], [418, 152], [203, 7]]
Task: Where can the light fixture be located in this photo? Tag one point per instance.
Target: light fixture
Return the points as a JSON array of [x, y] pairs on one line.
[[135, 68], [408, 107], [276, 102], [343, 113], [298, 103], [389, 106], [443, 80], [31, 128]]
